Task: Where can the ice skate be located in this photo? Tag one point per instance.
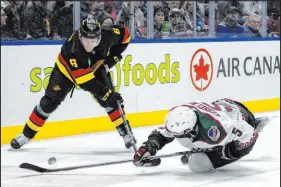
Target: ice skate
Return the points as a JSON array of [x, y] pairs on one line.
[[128, 137], [19, 141], [261, 122], [129, 140]]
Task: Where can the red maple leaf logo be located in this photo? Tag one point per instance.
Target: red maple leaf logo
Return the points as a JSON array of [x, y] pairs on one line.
[[201, 70]]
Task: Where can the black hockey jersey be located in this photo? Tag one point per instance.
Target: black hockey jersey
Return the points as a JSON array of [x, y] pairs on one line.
[[78, 65]]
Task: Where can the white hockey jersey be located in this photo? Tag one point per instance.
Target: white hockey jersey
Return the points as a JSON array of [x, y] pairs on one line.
[[220, 123]]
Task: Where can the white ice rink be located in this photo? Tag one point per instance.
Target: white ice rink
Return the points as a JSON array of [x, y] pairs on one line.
[[259, 169]]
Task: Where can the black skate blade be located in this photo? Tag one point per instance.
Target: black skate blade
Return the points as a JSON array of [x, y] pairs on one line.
[[33, 167]]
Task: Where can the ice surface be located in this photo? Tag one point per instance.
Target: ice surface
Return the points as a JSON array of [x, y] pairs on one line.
[[260, 168]]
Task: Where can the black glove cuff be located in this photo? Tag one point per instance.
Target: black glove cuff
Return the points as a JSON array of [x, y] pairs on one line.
[[151, 146], [228, 151], [161, 140]]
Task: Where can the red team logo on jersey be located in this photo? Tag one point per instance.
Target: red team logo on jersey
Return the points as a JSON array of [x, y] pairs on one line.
[[201, 69]]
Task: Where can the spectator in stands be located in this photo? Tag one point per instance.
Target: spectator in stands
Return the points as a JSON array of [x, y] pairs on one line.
[[178, 24], [229, 27], [15, 19], [223, 6], [139, 16], [273, 23], [174, 4], [110, 8], [158, 21], [5, 3], [3, 17], [252, 26], [158, 4], [85, 9], [62, 20], [118, 6], [6, 34], [124, 16], [251, 7], [98, 7], [273, 5], [143, 7], [168, 6], [37, 21], [200, 25]]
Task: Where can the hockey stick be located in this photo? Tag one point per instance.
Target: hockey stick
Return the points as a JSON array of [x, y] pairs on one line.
[[126, 123], [119, 104], [45, 170]]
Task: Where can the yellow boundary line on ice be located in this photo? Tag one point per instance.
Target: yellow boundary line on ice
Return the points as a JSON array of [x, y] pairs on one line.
[[100, 124]]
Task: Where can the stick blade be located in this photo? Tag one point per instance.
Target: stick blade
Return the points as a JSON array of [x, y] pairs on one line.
[[33, 167]]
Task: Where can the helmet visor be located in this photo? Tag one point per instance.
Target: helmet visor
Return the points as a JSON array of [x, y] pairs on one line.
[[90, 43]]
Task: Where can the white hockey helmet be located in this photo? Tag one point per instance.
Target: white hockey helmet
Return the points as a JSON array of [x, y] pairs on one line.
[[181, 122]]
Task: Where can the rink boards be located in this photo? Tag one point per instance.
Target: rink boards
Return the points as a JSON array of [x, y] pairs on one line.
[[152, 78]]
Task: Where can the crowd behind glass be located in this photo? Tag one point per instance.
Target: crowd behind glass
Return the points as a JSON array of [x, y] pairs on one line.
[[54, 20]]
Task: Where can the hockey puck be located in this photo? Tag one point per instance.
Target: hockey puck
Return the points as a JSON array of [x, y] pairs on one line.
[[52, 160], [184, 159]]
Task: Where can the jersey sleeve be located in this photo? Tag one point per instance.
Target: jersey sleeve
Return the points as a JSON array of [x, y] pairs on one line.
[[123, 38], [122, 33], [162, 136]]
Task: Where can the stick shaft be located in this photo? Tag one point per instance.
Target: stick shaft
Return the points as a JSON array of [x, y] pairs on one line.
[[125, 123], [44, 170]]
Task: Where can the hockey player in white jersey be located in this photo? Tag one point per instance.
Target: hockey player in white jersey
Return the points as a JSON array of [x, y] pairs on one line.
[[226, 125]]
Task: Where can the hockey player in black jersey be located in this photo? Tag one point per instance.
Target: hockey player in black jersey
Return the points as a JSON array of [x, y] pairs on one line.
[[84, 61]]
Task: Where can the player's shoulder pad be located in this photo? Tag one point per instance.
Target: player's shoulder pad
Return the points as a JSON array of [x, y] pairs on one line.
[[123, 32]]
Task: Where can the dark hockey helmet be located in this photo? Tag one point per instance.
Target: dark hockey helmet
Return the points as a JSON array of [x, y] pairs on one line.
[[90, 27]]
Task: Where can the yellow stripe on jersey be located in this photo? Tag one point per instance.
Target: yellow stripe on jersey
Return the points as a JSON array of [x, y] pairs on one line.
[[97, 65], [85, 78], [63, 69], [32, 125], [128, 40]]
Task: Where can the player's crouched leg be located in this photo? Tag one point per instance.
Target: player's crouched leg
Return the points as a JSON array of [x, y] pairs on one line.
[[199, 162], [58, 87], [37, 119]]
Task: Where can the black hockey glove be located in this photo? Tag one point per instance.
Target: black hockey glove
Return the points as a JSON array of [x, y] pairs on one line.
[[148, 148], [111, 97], [112, 60], [227, 151]]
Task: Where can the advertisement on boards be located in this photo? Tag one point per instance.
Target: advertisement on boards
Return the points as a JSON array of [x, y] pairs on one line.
[[150, 77]]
